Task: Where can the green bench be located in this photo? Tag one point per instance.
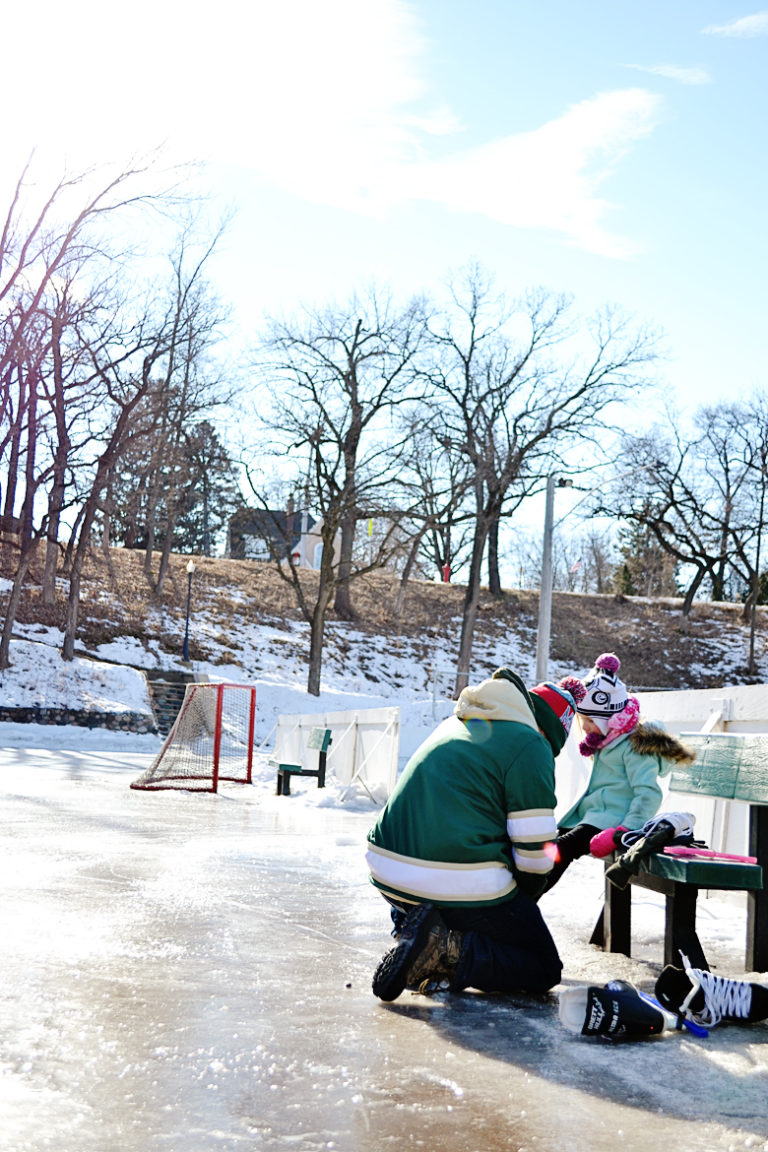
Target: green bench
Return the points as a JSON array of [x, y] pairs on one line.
[[319, 741], [727, 767]]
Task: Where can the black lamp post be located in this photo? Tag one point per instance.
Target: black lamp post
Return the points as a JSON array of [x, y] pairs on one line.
[[185, 649]]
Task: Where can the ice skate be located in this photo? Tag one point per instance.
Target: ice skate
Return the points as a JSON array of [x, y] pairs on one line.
[[694, 994], [617, 1011]]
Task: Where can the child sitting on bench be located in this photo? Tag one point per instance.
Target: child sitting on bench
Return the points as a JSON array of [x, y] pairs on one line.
[[628, 756]]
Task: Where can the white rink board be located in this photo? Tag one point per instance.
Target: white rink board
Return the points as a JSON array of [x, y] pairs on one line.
[[364, 750], [740, 708]]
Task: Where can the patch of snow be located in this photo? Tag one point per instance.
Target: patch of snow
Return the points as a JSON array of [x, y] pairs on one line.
[[38, 677]]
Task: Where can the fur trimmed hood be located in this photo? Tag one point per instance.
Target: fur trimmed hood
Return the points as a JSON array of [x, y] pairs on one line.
[[652, 740]]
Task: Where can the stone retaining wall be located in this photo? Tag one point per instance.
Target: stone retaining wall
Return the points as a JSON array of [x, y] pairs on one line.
[[140, 722]]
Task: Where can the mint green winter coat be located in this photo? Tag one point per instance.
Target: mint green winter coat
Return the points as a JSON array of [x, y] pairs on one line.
[[623, 788]]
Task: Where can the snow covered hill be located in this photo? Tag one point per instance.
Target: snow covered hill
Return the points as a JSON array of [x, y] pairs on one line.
[[245, 626]]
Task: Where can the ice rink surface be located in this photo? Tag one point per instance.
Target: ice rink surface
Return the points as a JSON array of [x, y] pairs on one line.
[[191, 973]]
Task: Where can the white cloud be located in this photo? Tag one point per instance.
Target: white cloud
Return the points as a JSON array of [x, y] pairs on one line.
[[546, 179], [671, 72], [327, 101], [755, 25]]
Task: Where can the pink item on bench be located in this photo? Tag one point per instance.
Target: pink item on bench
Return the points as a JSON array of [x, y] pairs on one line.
[[709, 853]]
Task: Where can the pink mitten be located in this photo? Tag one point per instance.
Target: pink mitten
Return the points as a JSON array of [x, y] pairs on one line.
[[603, 843]]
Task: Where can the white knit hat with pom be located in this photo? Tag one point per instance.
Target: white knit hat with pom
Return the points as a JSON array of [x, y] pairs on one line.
[[606, 694]]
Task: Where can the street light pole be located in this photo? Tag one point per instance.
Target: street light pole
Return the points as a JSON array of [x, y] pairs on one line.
[[185, 648], [545, 591]]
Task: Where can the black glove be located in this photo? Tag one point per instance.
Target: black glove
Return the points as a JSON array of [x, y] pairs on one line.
[[628, 864]]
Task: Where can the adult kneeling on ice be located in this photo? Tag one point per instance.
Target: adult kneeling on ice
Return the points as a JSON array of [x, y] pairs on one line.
[[460, 850]]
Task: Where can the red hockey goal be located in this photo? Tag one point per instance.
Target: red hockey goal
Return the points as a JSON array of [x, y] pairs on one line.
[[211, 740]]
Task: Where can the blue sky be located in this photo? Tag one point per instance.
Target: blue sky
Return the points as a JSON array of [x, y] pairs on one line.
[[614, 151]]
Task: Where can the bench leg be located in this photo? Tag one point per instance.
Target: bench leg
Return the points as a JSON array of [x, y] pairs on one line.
[[757, 902], [617, 919], [680, 928], [757, 932], [283, 783]]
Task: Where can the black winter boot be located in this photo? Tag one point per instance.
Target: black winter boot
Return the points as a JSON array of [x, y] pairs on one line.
[[391, 976], [437, 961]]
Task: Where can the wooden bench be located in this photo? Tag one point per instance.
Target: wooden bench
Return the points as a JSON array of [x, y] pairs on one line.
[[319, 741], [727, 767]]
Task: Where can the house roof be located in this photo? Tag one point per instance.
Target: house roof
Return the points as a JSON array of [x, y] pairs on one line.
[[276, 526]]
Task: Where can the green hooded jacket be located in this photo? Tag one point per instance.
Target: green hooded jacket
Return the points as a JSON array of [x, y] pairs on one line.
[[472, 814]]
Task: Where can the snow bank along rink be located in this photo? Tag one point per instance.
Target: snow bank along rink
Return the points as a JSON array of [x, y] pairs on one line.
[[191, 973]]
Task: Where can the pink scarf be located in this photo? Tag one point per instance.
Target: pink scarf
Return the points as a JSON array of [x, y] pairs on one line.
[[618, 724]]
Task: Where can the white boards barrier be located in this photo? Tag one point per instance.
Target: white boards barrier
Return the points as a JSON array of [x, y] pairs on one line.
[[738, 708], [363, 752]]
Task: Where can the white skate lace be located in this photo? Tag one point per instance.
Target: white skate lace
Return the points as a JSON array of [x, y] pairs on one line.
[[721, 997]]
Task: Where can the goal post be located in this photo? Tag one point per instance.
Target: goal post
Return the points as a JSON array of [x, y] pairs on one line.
[[211, 740]]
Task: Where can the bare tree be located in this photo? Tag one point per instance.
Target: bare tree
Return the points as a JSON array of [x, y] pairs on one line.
[[512, 401], [14, 408], [687, 492], [749, 439], [41, 234], [125, 365], [583, 560], [523, 554], [568, 572], [25, 447], [435, 481], [44, 240], [703, 498], [187, 387], [70, 390], [333, 384], [314, 590], [346, 370]]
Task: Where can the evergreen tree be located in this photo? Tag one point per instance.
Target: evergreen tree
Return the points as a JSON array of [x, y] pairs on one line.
[[212, 494], [207, 497], [644, 568]]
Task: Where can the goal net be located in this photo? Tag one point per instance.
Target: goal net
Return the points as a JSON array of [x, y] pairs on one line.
[[211, 740]]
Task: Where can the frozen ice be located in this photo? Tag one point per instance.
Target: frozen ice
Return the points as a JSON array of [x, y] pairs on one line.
[[191, 973]]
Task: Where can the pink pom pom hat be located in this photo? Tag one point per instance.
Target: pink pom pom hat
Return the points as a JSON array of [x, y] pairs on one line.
[[607, 703], [605, 693]]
